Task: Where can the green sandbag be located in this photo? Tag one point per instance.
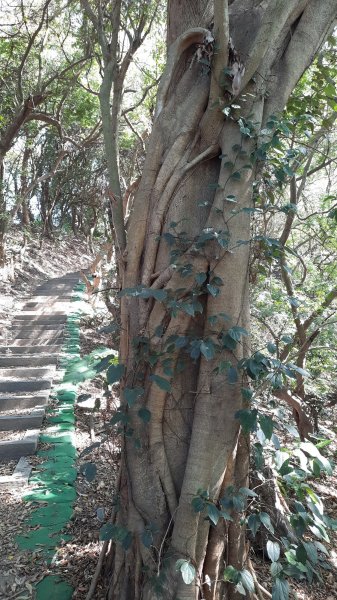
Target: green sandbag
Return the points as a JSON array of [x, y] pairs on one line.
[[52, 493], [57, 438], [57, 450], [58, 513], [53, 587], [64, 395], [44, 536], [61, 417], [51, 476]]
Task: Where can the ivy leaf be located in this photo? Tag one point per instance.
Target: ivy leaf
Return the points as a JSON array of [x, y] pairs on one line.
[[247, 419], [115, 373], [273, 551], [161, 382], [131, 395], [207, 348], [247, 580], [213, 513], [267, 425], [265, 519], [200, 278], [106, 532], [89, 471], [146, 538], [254, 523], [232, 375], [213, 290], [187, 570], [145, 415], [280, 590]]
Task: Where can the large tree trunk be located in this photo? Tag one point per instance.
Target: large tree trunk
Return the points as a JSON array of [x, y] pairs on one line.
[[198, 175]]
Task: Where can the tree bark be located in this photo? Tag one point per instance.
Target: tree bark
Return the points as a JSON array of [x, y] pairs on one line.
[[198, 174]]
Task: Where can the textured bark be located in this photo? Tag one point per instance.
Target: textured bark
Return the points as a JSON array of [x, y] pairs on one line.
[[193, 440]]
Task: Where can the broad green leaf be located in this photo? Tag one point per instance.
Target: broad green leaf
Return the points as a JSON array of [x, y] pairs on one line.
[[115, 373], [213, 513], [273, 550], [145, 415], [232, 375], [213, 290], [187, 570], [254, 523], [265, 519], [89, 471], [161, 382], [207, 348], [106, 532], [247, 580], [247, 419], [131, 395], [230, 574], [280, 590], [275, 569], [198, 504], [146, 538], [267, 425], [301, 554]]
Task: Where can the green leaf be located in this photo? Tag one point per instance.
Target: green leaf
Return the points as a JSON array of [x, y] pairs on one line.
[[236, 175], [213, 513], [145, 415], [198, 504], [247, 492], [273, 550], [230, 574], [131, 395], [254, 523], [106, 532], [280, 590], [213, 290], [161, 382], [207, 348], [272, 348], [247, 419], [247, 580], [115, 373], [267, 425], [301, 554], [275, 569], [236, 333], [146, 538], [201, 278], [187, 570], [232, 375], [89, 471], [265, 519]]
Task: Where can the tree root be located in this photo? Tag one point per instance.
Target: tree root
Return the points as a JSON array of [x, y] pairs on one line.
[[261, 592], [98, 570]]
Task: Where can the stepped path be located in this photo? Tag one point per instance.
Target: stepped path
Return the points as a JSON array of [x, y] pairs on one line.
[[29, 355]]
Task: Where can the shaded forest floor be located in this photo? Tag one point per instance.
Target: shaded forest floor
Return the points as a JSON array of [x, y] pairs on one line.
[[76, 559]]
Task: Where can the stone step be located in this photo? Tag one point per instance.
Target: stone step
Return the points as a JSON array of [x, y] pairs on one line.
[[27, 372], [32, 327], [24, 342], [25, 446], [25, 334], [28, 361], [38, 319], [29, 349], [17, 401], [22, 386], [19, 477], [32, 420]]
